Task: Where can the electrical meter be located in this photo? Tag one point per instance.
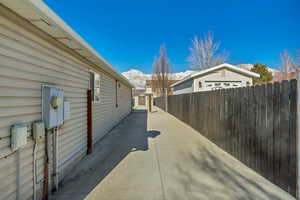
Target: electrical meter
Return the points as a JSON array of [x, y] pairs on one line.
[[52, 106]]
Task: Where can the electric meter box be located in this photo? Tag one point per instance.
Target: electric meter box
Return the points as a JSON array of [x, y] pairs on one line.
[[18, 136], [52, 106]]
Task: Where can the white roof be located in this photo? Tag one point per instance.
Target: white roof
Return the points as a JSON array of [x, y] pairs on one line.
[[224, 65], [40, 15]]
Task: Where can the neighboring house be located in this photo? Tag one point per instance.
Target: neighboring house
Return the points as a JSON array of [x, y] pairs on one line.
[[138, 96], [151, 89], [218, 77], [37, 48], [281, 76]]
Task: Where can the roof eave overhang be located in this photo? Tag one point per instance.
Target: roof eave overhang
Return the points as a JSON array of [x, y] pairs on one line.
[[41, 16]]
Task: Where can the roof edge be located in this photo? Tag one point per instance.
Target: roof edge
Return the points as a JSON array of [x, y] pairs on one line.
[[42, 9]]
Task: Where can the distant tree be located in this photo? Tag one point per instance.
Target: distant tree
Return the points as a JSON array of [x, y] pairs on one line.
[[262, 70], [161, 72], [287, 62], [205, 53]]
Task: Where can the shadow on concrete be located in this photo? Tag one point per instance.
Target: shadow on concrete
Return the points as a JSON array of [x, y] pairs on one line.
[[128, 136], [220, 169]]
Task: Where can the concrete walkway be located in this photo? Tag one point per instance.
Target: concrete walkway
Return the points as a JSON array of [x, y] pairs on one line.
[[157, 157]]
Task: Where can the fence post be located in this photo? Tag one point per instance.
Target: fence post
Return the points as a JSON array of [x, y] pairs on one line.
[[166, 100], [298, 135]]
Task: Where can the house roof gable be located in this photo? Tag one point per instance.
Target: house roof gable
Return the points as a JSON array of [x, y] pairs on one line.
[[218, 67]]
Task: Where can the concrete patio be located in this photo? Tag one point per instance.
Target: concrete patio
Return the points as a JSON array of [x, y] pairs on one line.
[[157, 157]]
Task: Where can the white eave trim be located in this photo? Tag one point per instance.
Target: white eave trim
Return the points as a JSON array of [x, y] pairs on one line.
[[39, 7], [224, 65]]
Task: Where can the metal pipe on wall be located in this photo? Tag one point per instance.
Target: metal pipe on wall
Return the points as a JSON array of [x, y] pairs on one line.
[[46, 167], [34, 170], [55, 159], [89, 122], [18, 177]]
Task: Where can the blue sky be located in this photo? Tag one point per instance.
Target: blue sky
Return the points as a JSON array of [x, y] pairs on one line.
[[128, 33]]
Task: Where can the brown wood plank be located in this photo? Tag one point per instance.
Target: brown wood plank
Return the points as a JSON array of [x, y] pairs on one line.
[[263, 130], [237, 123], [276, 132], [243, 125], [284, 134], [220, 121], [225, 121], [293, 138], [252, 118], [255, 139], [269, 132], [230, 122]]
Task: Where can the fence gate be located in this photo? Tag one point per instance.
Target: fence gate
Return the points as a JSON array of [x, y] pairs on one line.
[[142, 100]]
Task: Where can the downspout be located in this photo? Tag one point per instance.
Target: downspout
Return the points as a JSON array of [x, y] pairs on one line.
[[34, 169], [18, 175], [46, 167], [89, 122]]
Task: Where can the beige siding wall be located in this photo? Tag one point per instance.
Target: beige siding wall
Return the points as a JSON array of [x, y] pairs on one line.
[[224, 75], [186, 87], [221, 75], [105, 113], [27, 62]]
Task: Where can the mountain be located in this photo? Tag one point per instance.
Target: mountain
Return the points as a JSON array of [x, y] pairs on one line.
[[138, 78]]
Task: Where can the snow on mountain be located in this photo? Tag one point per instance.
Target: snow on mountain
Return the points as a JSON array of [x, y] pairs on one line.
[[181, 75], [138, 78]]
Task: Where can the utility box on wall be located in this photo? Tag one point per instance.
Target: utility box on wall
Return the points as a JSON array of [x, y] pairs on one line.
[[52, 106], [38, 130], [18, 136]]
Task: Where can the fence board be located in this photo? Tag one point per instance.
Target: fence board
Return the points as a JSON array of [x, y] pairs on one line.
[[292, 135], [269, 131], [284, 133], [256, 124], [276, 135]]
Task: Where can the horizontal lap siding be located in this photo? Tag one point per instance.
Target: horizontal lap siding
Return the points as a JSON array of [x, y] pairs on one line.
[[27, 62], [105, 113], [124, 103]]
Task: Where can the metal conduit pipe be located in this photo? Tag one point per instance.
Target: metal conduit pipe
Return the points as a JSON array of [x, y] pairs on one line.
[[34, 170], [55, 159]]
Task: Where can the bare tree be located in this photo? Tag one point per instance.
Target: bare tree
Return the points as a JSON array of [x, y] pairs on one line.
[[205, 53], [161, 72], [287, 63], [298, 60]]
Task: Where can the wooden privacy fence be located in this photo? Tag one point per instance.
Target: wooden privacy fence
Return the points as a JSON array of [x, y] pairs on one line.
[[256, 125]]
